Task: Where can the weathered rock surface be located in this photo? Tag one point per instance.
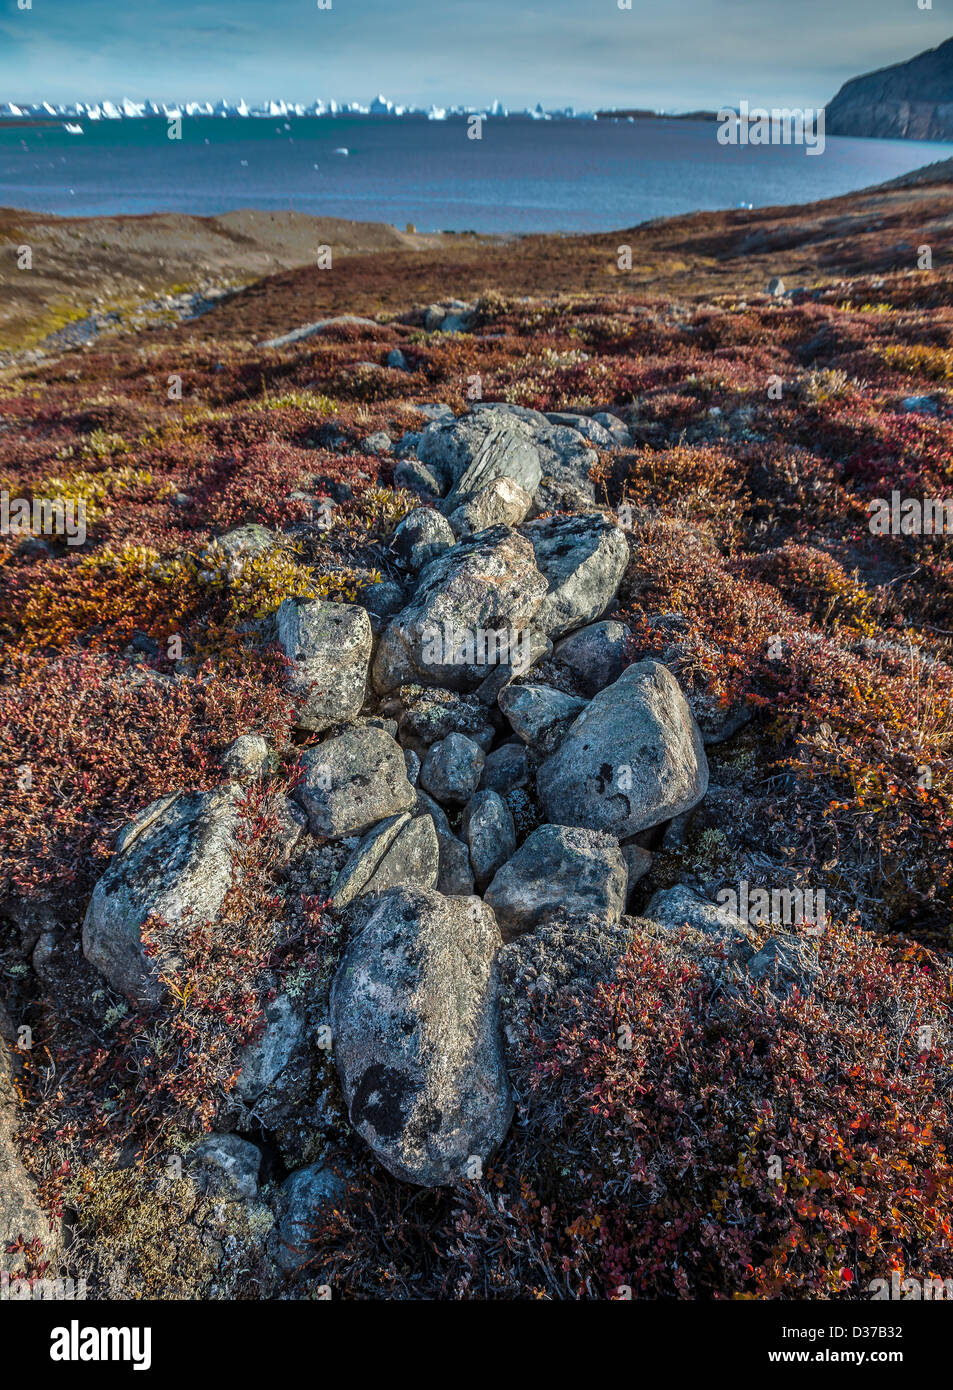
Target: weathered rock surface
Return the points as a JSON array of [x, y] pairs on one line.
[[501, 503], [174, 862], [633, 758], [329, 646], [468, 453], [353, 781], [414, 1014], [595, 655], [233, 1156], [559, 868], [583, 559], [468, 600], [538, 714], [365, 858], [487, 826], [421, 537], [505, 768], [432, 714], [452, 769]]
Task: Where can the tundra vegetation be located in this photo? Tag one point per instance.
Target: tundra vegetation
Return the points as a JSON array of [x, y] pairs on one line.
[[743, 1114]]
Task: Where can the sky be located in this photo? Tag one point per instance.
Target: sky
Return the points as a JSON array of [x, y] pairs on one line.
[[672, 55]]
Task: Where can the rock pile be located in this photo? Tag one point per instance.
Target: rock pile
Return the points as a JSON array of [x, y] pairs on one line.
[[492, 759]]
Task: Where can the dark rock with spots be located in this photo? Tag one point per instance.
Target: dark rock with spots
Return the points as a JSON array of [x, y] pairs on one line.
[[452, 769], [415, 1020], [595, 655]]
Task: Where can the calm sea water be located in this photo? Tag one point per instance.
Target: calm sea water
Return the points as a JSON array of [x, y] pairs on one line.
[[523, 176]]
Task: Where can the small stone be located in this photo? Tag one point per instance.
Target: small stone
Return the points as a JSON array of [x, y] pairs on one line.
[[595, 655], [505, 768], [487, 826], [233, 1156], [501, 503], [248, 756], [451, 770]]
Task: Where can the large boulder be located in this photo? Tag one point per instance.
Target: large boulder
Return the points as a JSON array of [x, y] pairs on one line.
[[351, 782], [583, 559], [414, 1016], [468, 612], [174, 862], [329, 647], [633, 758], [559, 868], [467, 454]]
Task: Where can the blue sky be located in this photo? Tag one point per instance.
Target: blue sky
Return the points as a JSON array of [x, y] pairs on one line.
[[671, 54]]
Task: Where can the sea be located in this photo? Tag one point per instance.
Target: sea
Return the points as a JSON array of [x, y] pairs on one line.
[[522, 176]]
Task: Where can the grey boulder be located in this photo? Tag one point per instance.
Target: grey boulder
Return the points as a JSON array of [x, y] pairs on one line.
[[633, 758], [538, 714], [351, 782], [469, 605], [595, 655], [415, 1021], [452, 769], [329, 647], [559, 868], [501, 503], [174, 863], [583, 559], [487, 826], [421, 537]]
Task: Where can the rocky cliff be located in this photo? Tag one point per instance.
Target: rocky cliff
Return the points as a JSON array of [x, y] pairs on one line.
[[910, 101]]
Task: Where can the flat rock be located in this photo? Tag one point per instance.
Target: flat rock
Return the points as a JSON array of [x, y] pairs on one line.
[[633, 758], [415, 1021], [559, 868], [353, 781]]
